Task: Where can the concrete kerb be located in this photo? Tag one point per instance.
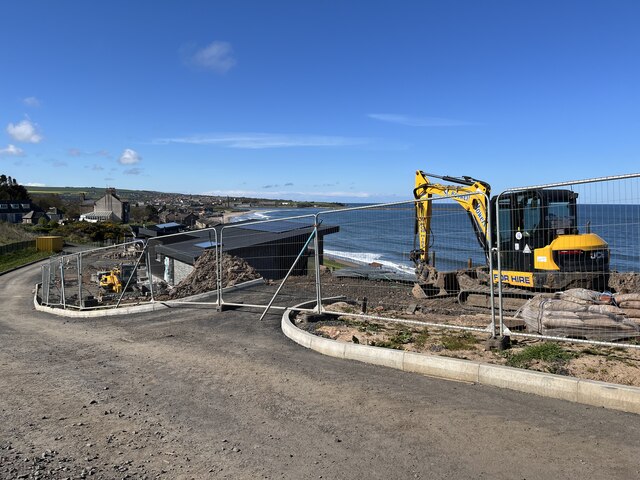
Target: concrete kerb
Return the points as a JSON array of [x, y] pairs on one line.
[[139, 308], [588, 392]]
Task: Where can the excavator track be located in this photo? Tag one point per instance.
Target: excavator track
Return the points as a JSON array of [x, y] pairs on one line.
[[476, 295], [479, 298]]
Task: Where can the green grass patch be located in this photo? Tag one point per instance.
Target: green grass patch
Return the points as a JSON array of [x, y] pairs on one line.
[[547, 352], [420, 340], [332, 264], [396, 341], [21, 257], [369, 327], [462, 341]]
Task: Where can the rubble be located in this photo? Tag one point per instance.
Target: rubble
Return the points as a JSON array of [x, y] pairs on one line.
[[204, 276]]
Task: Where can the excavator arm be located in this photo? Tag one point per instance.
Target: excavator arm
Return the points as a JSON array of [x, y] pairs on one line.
[[469, 193]]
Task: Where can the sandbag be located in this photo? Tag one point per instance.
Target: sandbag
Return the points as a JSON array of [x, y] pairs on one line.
[[602, 321], [624, 297], [563, 305], [629, 304], [559, 314], [556, 322], [605, 309], [631, 312], [582, 294], [578, 313]]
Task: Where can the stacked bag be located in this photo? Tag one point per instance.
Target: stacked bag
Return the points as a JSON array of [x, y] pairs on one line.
[[582, 313]]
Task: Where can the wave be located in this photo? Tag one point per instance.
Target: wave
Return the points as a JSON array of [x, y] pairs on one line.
[[261, 215], [365, 258]]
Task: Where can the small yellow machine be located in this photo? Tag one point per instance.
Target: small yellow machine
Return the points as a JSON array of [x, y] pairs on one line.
[[111, 280]]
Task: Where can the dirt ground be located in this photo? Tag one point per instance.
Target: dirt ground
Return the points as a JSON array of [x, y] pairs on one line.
[[196, 393], [608, 364]]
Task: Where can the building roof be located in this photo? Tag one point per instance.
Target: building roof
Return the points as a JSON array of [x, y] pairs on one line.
[[167, 225], [189, 246], [99, 215], [15, 206]]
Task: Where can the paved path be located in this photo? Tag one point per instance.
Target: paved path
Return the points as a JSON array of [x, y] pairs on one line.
[[194, 393]]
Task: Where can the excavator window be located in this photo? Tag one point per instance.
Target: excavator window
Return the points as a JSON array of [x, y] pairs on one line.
[[531, 214]]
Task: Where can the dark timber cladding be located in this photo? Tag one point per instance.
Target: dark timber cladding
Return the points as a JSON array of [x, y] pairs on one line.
[[270, 248]]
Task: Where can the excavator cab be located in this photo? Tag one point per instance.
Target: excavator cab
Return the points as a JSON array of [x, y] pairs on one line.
[[539, 238]]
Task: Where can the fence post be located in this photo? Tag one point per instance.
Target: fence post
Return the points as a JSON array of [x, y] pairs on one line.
[[64, 300], [316, 246], [149, 271], [80, 280], [135, 271]]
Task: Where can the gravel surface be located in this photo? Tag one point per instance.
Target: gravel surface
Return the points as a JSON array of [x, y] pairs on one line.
[[196, 393]]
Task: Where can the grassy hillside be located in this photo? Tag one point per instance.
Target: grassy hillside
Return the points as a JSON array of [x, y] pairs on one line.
[[90, 192], [10, 233]]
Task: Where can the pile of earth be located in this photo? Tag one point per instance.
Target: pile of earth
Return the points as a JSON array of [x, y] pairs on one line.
[[204, 277], [624, 282]]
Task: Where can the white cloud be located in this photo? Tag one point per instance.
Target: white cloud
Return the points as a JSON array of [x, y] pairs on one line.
[[133, 171], [264, 140], [35, 184], [25, 132], [217, 56], [418, 121], [129, 157], [31, 102], [12, 151]]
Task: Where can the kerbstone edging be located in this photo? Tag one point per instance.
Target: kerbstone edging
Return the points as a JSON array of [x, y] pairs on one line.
[[588, 392], [140, 308]]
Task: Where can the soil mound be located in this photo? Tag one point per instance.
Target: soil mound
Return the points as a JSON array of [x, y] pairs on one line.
[[204, 277]]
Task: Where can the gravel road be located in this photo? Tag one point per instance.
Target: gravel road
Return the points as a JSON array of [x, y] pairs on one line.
[[195, 393]]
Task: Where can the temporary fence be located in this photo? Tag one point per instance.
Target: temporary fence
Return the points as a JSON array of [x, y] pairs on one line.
[[183, 267], [359, 265], [275, 250], [99, 278], [579, 241]]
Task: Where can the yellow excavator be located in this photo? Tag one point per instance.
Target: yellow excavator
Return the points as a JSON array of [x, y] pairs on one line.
[[541, 248], [111, 280]]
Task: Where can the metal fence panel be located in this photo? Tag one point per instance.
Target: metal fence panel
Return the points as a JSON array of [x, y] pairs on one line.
[[258, 256], [578, 245], [368, 264], [183, 267], [52, 282], [46, 284]]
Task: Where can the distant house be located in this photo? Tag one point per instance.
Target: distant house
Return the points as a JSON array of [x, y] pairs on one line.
[[109, 208], [12, 211], [208, 222], [272, 249], [54, 213], [188, 219], [159, 230], [33, 217]]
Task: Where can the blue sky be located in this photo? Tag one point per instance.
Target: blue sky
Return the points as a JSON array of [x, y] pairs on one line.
[[325, 100]]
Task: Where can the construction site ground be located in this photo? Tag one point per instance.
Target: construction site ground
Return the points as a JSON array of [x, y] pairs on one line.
[[191, 392]]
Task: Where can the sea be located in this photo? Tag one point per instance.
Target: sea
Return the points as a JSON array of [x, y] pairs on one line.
[[385, 234]]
